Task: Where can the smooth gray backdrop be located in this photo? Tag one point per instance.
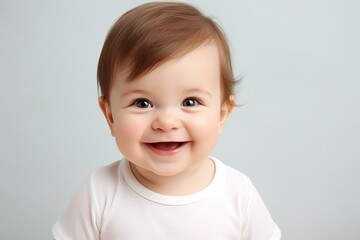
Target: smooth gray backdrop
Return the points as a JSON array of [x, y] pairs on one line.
[[297, 133]]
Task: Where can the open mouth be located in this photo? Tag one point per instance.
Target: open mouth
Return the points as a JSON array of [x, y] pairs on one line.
[[166, 146]]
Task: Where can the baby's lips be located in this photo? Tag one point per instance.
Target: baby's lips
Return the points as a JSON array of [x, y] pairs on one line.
[[166, 146]]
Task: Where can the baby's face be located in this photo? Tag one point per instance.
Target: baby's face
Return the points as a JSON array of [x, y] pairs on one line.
[[167, 122]]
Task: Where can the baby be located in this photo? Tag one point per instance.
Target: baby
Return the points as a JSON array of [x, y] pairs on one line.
[[167, 88]]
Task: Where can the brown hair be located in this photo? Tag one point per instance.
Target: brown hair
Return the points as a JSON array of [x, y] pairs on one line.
[[153, 33]]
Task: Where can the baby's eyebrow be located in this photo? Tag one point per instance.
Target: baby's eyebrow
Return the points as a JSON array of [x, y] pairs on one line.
[[186, 91], [197, 90], [136, 91]]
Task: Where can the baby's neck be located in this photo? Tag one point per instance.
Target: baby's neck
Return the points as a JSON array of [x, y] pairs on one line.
[[188, 182]]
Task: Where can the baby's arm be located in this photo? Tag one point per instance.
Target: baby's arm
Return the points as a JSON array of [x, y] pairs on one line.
[[81, 217], [258, 223]]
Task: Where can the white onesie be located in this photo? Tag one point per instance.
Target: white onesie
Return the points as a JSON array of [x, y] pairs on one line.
[[111, 204]]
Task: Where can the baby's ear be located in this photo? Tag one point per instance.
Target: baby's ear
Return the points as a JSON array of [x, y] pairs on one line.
[[231, 103], [105, 108], [225, 112]]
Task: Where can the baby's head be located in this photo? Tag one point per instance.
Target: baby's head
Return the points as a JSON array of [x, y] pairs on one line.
[[150, 35], [166, 82]]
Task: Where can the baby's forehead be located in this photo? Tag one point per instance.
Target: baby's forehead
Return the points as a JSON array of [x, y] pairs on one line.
[[198, 69], [132, 69]]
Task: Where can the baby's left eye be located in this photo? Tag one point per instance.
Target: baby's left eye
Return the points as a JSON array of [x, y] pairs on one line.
[[190, 102]]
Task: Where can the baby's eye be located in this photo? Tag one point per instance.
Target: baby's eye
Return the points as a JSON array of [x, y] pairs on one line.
[[190, 102], [142, 103]]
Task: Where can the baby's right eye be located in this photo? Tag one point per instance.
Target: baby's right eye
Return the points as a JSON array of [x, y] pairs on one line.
[[142, 103]]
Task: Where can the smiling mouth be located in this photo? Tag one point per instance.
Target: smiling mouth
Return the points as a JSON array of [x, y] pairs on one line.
[[167, 146], [166, 149]]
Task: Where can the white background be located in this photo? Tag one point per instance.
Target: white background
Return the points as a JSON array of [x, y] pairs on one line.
[[297, 134]]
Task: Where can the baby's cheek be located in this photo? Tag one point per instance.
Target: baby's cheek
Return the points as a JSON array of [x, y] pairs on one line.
[[126, 129], [205, 133]]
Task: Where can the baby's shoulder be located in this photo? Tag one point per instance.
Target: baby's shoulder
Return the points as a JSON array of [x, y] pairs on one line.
[[237, 185], [105, 173], [103, 182], [234, 177], [105, 177]]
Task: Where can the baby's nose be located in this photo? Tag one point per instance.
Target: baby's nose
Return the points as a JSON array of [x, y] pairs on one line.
[[166, 120]]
